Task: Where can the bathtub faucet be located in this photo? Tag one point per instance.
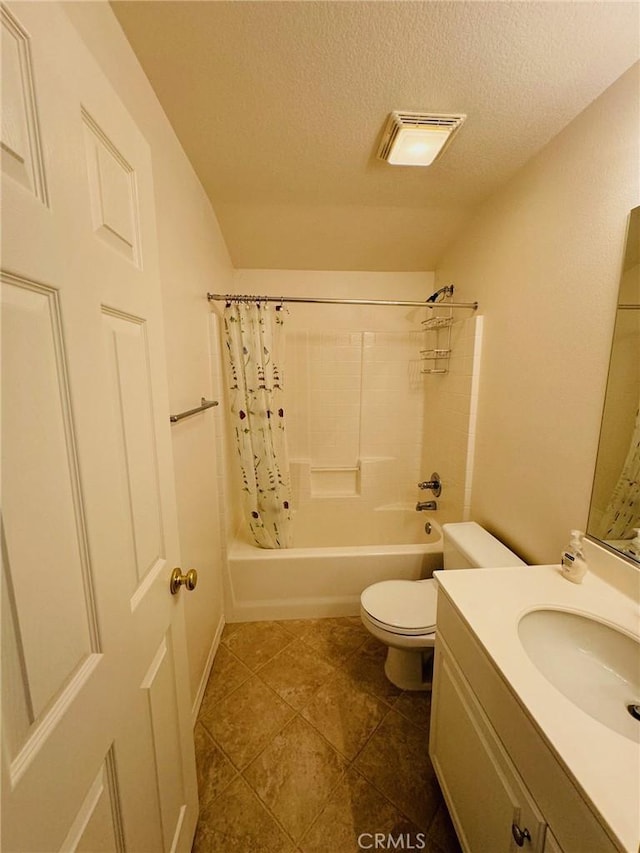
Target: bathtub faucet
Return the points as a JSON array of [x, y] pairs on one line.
[[422, 505]]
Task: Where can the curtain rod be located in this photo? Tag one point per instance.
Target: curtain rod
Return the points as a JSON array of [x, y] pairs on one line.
[[235, 297]]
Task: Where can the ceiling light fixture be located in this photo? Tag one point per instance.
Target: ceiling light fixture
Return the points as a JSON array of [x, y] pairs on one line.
[[417, 139]]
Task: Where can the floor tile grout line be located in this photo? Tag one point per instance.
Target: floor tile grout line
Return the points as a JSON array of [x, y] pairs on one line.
[[264, 681], [299, 711], [246, 665], [369, 692], [342, 774], [365, 744], [391, 803], [398, 808], [348, 764], [272, 737], [295, 708], [272, 658], [371, 781], [276, 656], [236, 772], [325, 804], [337, 667], [333, 746], [341, 755], [268, 811], [223, 751], [313, 820], [233, 689]]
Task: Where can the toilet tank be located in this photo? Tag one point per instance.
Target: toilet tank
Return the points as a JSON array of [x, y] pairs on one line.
[[469, 546]]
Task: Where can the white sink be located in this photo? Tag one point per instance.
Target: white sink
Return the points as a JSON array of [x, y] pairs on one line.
[[594, 665]]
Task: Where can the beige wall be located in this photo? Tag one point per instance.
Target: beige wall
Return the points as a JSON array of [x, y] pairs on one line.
[[193, 259], [544, 256]]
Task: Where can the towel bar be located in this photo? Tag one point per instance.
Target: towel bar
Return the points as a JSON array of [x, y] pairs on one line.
[[204, 404]]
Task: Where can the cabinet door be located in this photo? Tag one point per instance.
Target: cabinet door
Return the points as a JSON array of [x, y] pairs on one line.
[[486, 798], [550, 843]]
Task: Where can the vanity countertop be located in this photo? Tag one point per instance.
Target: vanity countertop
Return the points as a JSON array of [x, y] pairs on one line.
[[604, 764]]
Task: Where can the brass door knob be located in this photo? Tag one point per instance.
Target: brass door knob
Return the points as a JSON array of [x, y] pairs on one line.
[[178, 579]]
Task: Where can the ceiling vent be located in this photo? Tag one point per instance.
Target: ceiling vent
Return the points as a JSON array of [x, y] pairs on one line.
[[417, 139]]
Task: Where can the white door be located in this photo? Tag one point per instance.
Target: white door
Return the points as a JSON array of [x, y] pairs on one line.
[[97, 743]]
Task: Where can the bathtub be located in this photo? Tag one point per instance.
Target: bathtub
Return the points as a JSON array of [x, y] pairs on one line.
[[338, 551]]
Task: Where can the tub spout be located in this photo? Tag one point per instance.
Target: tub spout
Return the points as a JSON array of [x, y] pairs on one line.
[[422, 505]]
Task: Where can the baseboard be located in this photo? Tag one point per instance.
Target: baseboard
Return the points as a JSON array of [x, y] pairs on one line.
[[302, 608], [207, 671]]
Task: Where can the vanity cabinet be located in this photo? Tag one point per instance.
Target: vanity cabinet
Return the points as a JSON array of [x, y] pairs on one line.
[[505, 789], [490, 805]]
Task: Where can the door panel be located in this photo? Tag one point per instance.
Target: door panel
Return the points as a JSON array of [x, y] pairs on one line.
[[131, 404], [98, 824], [160, 685], [43, 475], [97, 735], [112, 191], [21, 148]]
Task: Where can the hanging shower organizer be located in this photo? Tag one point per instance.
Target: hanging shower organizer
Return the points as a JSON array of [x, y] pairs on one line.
[[437, 329]]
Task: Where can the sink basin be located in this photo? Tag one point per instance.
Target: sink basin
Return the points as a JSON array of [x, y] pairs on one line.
[[594, 665]]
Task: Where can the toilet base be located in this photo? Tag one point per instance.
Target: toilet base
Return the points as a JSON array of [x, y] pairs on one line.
[[409, 670]]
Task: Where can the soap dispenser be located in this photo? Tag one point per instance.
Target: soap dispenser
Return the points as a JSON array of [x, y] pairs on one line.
[[573, 564]]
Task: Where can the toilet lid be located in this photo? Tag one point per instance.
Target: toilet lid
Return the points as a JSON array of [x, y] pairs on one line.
[[407, 606]]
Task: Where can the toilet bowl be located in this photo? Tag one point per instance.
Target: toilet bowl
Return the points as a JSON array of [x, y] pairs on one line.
[[402, 614]]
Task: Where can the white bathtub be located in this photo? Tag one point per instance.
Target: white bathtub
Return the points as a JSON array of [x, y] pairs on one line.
[[337, 553]]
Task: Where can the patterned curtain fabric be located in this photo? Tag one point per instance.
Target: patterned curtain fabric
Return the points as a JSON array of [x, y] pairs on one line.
[[623, 513], [255, 346]]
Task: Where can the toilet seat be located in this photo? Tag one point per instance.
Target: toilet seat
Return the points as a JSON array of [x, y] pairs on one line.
[[407, 608]]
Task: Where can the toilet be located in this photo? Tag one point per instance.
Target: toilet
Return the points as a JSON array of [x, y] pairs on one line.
[[402, 614]]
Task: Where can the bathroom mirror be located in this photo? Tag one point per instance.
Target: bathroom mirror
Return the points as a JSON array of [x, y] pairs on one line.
[[615, 500]]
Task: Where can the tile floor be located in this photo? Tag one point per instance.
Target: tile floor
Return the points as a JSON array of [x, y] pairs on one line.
[[303, 745]]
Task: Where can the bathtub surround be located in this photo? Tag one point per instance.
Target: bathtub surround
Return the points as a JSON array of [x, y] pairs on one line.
[[450, 417], [362, 418], [355, 399], [366, 419], [337, 381], [254, 349], [364, 425]]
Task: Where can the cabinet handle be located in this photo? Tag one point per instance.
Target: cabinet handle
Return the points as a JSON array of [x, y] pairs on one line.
[[520, 835]]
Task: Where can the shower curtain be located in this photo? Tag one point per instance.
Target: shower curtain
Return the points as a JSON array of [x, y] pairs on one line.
[[254, 337], [623, 512]]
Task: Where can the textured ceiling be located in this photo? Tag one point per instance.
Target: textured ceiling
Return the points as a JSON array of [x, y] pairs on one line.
[[280, 108]]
